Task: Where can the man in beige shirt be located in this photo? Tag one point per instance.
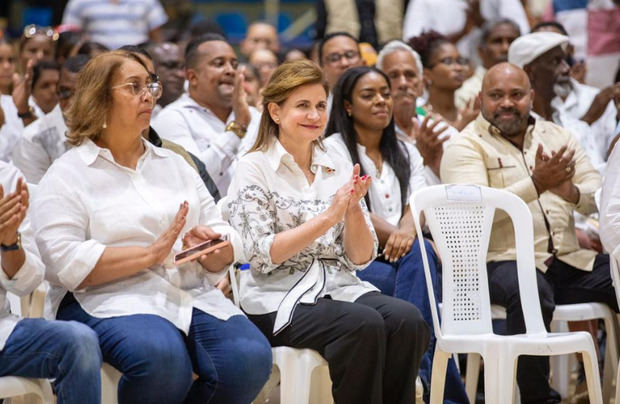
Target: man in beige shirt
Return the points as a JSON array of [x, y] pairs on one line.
[[507, 148]]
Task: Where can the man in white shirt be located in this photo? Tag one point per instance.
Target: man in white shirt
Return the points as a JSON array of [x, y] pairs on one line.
[[213, 121], [495, 39], [44, 140], [33, 347], [562, 100], [115, 23], [403, 67]]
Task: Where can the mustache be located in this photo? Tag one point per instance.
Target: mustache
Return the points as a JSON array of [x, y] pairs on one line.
[[402, 92], [500, 111]]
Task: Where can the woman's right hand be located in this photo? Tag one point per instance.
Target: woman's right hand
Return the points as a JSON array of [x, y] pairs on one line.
[[162, 246], [21, 88]]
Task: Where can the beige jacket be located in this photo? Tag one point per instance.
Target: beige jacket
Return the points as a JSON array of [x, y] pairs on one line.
[[480, 155]]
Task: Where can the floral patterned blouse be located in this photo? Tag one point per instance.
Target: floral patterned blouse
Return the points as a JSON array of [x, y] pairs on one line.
[[270, 194]]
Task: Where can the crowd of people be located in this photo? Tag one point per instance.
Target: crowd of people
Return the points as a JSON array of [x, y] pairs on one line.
[[121, 148]]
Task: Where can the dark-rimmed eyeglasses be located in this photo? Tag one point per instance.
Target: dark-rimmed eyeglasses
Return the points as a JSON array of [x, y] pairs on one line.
[[335, 57]]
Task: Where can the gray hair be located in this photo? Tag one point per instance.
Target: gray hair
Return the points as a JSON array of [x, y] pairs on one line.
[[394, 46]]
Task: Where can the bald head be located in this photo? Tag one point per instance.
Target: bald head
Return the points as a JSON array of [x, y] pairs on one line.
[[506, 99], [504, 71]]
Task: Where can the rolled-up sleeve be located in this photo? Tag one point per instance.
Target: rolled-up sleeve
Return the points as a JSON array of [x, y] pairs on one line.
[[61, 225], [251, 212], [32, 270]]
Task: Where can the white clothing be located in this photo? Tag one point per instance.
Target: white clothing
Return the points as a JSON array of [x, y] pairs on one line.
[[609, 212], [30, 274], [270, 194], [596, 138], [203, 134], [43, 141], [448, 17], [87, 202], [384, 192], [13, 127], [115, 23]]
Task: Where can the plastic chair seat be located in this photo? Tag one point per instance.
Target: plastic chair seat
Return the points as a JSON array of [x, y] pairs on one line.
[[13, 386]]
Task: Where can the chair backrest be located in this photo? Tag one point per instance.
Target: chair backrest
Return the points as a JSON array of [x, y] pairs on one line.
[[460, 218], [615, 275]]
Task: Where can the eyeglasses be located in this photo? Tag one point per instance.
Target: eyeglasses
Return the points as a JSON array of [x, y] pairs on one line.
[[33, 29], [153, 88], [172, 65], [334, 58], [450, 61]]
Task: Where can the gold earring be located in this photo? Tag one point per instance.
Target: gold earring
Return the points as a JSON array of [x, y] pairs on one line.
[[105, 125]]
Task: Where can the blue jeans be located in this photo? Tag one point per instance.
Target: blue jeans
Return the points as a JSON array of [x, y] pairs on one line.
[[232, 358], [65, 351], [405, 279]]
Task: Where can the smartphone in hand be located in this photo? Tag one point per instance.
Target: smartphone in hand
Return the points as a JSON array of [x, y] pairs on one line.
[[201, 249]]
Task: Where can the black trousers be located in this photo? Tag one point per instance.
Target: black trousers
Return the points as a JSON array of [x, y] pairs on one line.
[[561, 284], [373, 346]]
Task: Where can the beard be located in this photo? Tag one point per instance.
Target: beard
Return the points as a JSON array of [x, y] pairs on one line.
[[562, 89], [508, 127]]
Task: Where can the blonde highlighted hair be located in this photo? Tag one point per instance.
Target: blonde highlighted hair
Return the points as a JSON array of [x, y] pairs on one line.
[[287, 78], [93, 98]]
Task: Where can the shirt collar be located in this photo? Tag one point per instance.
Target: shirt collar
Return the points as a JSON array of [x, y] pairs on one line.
[[277, 155], [89, 151]]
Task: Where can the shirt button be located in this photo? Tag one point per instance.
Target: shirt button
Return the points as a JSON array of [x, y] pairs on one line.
[[221, 174], [387, 196]]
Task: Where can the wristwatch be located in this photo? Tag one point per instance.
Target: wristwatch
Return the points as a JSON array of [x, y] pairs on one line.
[[28, 114], [13, 247], [237, 129]]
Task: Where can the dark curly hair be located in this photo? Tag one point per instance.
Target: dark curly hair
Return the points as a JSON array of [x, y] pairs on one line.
[[426, 44]]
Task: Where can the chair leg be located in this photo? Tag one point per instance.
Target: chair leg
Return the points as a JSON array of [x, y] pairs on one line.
[[617, 397], [611, 355], [500, 369], [471, 376], [438, 376], [590, 363]]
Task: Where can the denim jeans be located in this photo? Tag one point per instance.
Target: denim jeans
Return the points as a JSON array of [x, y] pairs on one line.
[[232, 358], [405, 280], [66, 351]]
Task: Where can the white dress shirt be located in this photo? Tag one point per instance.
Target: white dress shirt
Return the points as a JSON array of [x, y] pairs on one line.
[[384, 192], [13, 127], [270, 194], [87, 202], [609, 211], [449, 16], [30, 274], [43, 141], [596, 138], [203, 134]]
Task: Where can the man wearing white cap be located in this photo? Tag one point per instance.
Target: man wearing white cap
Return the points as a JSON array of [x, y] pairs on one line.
[[506, 147], [588, 114]]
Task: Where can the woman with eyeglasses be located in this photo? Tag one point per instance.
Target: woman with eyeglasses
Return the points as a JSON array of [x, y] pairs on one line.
[[111, 213], [444, 73], [361, 130]]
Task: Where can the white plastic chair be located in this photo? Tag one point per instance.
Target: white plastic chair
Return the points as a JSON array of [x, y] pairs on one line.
[[460, 218], [304, 374], [33, 390], [109, 384]]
